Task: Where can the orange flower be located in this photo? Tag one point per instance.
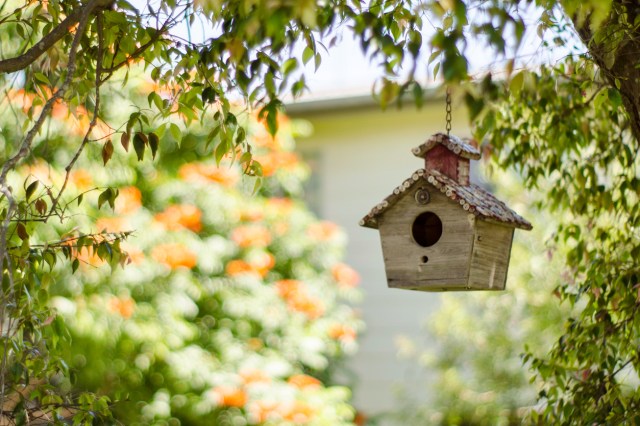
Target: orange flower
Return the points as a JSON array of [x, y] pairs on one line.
[[112, 224], [237, 267], [259, 263], [361, 418], [274, 161], [294, 293], [345, 275], [23, 99], [231, 397], [123, 306], [251, 236], [40, 170], [261, 410], [78, 122], [303, 381], [343, 333], [59, 111], [174, 255], [310, 306], [252, 375], [265, 140], [255, 344], [280, 205], [280, 228], [181, 216], [88, 257], [129, 200], [300, 412], [262, 262], [281, 119], [81, 178], [136, 256], [323, 230], [197, 172], [252, 214], [287, 288]]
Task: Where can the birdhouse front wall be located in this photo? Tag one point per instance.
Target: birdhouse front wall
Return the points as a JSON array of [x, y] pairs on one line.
[[444, 265]]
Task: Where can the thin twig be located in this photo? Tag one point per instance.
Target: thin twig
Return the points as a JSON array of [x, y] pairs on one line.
[[94, 120]]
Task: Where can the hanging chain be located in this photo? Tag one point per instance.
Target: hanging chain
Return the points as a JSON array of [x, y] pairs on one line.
[[448, 100]]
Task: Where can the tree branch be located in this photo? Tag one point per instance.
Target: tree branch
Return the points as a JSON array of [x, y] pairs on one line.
[[62, 29], [94, 120]]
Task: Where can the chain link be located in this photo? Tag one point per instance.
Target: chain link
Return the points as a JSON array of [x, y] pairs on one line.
[[448, 100]]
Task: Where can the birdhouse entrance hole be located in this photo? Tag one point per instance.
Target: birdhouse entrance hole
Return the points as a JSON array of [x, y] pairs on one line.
[[426, 229]]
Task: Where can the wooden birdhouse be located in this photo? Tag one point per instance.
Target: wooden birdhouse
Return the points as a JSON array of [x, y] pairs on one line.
[[441, 232]]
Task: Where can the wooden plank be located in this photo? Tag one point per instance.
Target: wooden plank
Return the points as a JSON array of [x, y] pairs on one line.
[[490, 257]]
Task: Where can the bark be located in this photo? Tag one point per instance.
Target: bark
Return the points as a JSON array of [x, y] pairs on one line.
[[624, 68]]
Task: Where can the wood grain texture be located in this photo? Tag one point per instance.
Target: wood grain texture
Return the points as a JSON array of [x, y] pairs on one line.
[[448, 259], [490, 256]]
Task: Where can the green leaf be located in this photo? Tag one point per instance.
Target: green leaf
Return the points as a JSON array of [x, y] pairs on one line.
[[307, 54], [175, 131], [600, 98], [104, 197], [133, 118], [221, 150], [517, 83], [154, 142], [31, 189], [474, 105], [389, 93], [270, 113], [614, 97], [156, 100], [139, 143], [289, 66], [418, 95], [42, 78], [208, 95]]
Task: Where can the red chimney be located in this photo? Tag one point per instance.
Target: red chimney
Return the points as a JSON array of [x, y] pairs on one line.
[[449, 155]]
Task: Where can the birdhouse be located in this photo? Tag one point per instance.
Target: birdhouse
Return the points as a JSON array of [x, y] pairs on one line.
[[439, 231]]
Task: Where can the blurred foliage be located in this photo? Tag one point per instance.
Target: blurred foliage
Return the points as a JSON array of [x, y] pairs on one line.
[[573, 144], [223, 305], [233, 306]]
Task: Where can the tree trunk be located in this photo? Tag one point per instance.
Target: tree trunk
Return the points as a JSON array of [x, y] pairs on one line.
[[620, 70]]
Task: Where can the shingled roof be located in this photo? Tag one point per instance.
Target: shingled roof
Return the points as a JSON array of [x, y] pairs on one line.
[[471, 198], [453, 143]]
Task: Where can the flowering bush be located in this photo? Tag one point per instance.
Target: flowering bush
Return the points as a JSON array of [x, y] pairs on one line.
[[233, 307]]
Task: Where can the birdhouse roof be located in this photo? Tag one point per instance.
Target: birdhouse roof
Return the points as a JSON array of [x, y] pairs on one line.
[[452, 143], [471, 198]]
